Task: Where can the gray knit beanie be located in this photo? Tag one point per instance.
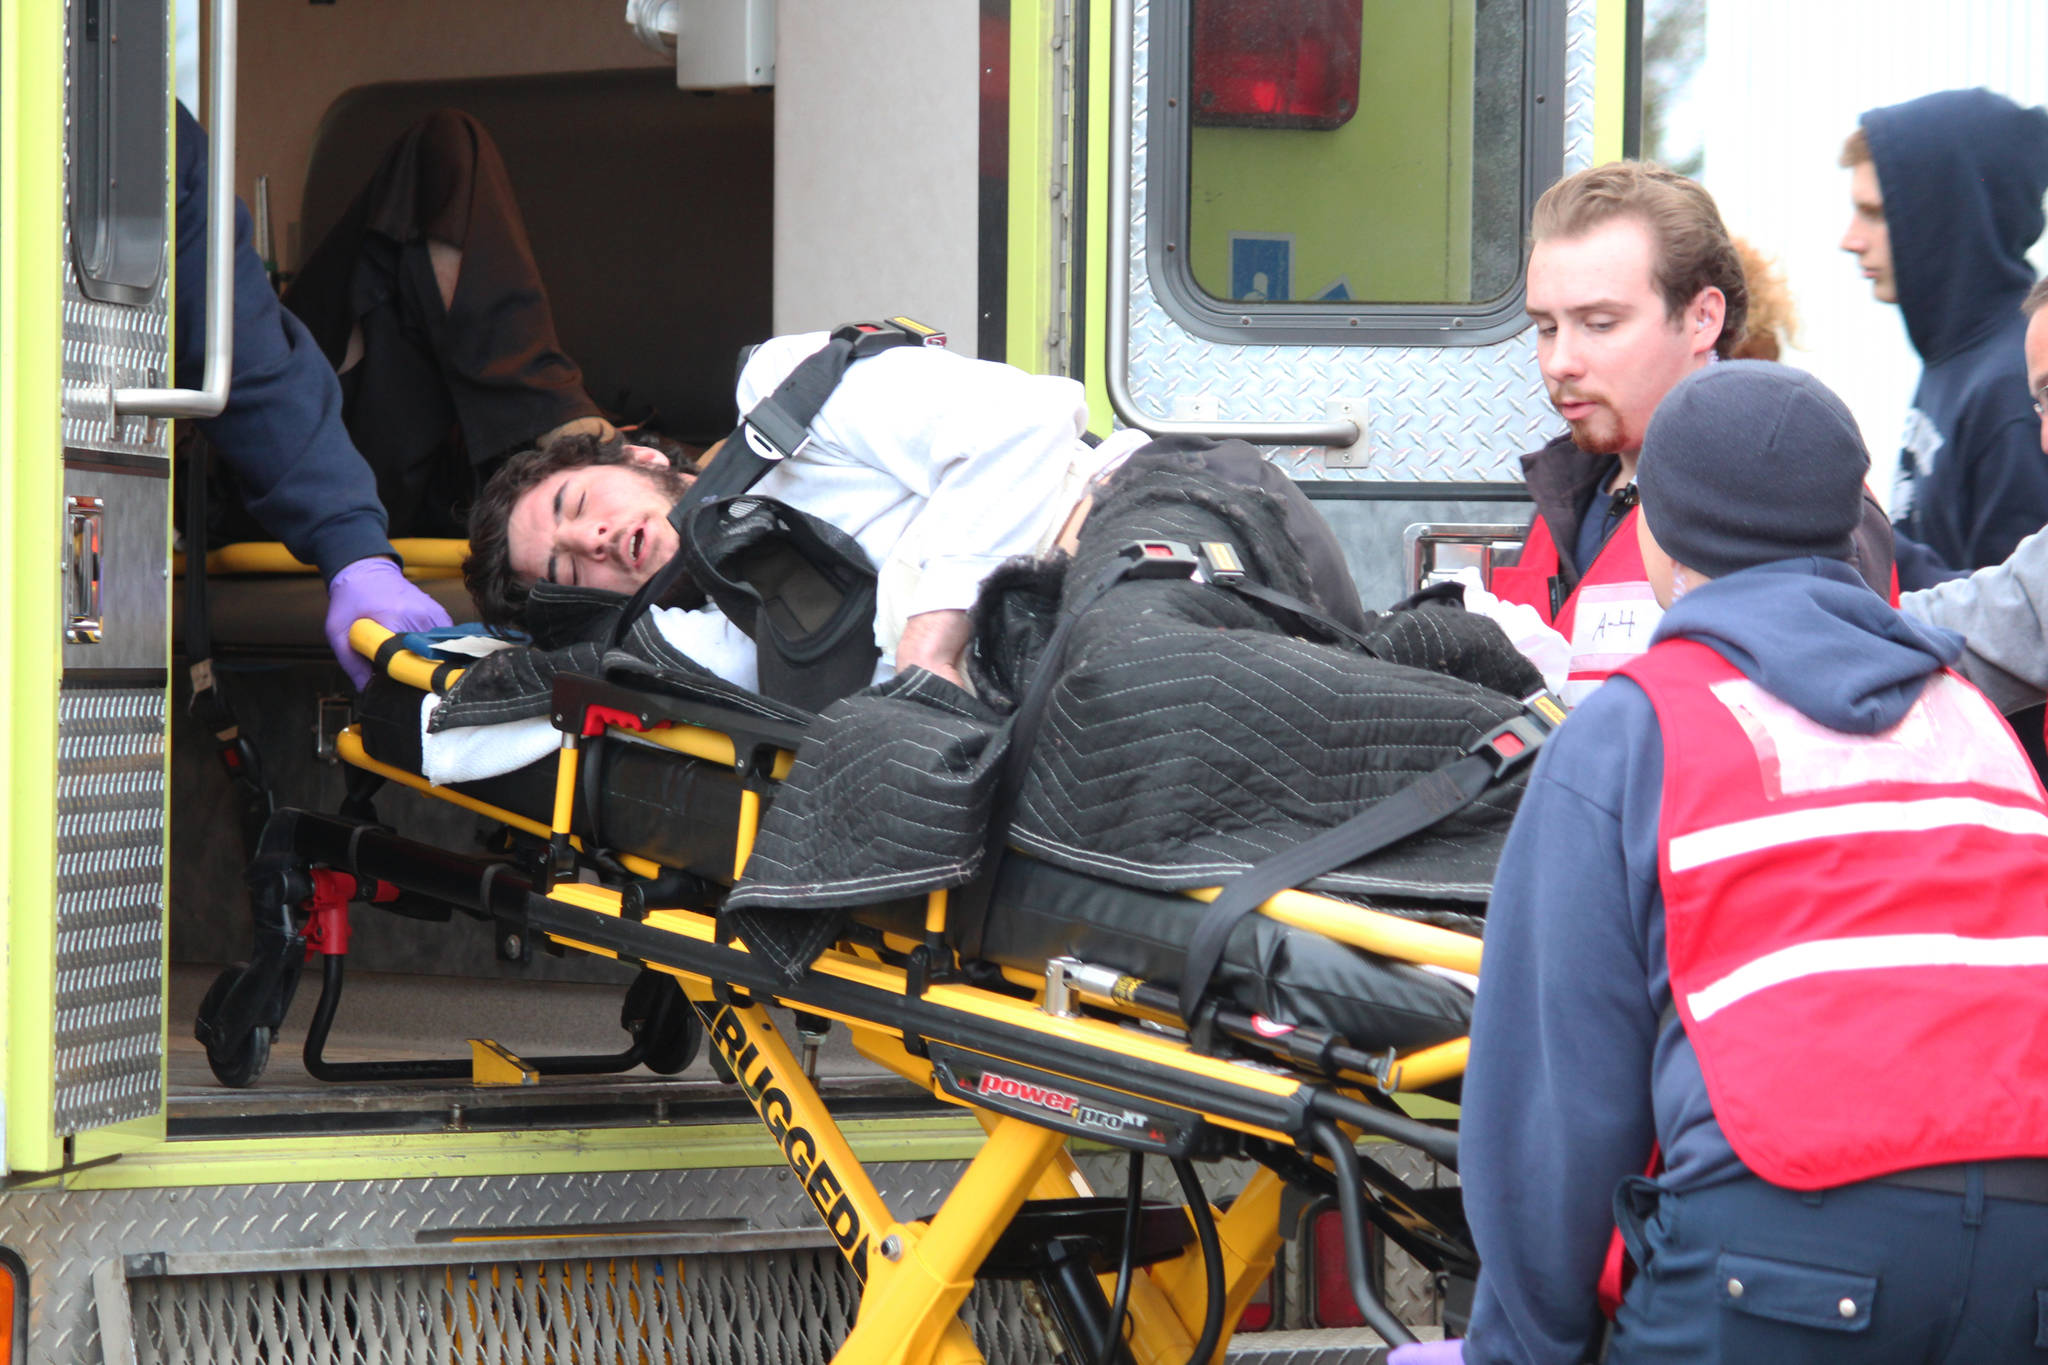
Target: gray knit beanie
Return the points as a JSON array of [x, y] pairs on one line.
[[1746, 462]]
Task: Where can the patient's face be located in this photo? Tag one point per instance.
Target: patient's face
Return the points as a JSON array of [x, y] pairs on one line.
[[602, 526]]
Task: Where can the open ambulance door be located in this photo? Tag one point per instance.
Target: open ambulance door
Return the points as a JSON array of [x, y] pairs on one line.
[[87, 149], [1302, 222]]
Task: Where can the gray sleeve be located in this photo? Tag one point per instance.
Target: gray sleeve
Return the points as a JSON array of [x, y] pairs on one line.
[[2002, 611]]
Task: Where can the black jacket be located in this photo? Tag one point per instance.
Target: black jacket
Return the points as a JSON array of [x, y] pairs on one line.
[[1561, 479]]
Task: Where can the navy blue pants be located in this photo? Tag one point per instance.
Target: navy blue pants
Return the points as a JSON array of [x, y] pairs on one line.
[[1747, 1271]]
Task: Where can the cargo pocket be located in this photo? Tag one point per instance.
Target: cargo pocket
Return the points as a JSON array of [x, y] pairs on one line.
[[2041, 1319], [1787, 1291]]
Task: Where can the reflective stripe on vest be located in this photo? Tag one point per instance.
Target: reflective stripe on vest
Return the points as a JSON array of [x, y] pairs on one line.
[[1857, 925], [1609, 616]]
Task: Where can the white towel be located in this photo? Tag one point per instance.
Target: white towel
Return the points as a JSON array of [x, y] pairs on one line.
[[471, 752]]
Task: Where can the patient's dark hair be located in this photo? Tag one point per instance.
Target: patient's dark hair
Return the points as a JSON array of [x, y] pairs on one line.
[[499, 596]]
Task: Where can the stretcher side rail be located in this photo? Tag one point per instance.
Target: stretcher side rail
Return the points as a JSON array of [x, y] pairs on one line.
[[585, 707]]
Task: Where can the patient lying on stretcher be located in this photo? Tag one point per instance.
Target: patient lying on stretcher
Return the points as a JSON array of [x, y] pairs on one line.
[[936, 468], [1189, 731], [1208, 728]]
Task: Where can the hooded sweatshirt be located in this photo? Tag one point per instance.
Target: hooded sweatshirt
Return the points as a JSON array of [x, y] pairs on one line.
[[1574, 1007], [281, 431], [1962, 173]]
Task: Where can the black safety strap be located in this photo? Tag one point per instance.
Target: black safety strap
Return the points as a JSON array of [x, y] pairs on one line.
[[777, 428], [1413, 808], [1299, 616], [780, 424], [209, 704], [1142, 559], [1221, 567]]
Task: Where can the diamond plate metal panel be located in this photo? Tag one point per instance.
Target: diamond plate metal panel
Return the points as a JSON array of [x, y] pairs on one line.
[[110, 869], [64, 1235], [1438, 414], [108, 346], [1411, 1289], [1343, 1346]]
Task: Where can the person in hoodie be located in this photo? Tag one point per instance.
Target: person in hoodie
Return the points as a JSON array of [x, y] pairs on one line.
[[1947, 193], [2002, 611], [1771, 917]]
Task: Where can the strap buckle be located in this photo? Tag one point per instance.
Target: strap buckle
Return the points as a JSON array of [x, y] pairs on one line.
[[1160, 559], [892, 331], [772, 433], [1515, 740], [1221, 564]]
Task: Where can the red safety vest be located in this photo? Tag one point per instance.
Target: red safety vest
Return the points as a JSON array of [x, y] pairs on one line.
[[1857, 925], [1609, 616]]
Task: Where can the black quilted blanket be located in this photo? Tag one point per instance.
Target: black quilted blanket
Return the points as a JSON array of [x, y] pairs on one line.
[[1188, 735]]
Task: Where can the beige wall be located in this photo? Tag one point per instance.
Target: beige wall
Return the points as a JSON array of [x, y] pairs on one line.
[[877, 137], [296, 57]]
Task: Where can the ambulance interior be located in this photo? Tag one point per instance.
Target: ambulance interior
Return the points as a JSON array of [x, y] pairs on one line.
[[650, 211], [673, 226]]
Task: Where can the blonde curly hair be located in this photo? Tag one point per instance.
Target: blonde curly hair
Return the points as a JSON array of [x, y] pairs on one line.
[[1773, 323]]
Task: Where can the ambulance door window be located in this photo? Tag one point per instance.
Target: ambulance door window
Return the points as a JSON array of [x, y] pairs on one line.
[[120, 68], [1352, 170]]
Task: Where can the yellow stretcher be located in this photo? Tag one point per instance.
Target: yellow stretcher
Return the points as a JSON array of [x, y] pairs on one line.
[[1073, 1051]]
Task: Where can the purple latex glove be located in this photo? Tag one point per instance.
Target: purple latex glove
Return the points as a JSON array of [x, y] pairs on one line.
[[1450, 1352], [378, 589]]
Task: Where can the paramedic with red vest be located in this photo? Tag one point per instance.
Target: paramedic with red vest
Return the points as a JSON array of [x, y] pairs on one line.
[[1777, 903], [1633, 284]]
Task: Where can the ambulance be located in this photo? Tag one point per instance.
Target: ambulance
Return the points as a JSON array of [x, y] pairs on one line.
[[1299, 223]]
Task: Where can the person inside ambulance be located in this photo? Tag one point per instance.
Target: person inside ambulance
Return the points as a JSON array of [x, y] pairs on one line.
[[938, 466], [1633, 283], [281, 433], [1770, 926]]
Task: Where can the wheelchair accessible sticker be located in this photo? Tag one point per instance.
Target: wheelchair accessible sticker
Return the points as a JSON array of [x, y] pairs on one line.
[[1261, 266]]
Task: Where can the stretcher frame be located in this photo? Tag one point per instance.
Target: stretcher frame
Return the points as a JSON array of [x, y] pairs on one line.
[[1036, 1059]]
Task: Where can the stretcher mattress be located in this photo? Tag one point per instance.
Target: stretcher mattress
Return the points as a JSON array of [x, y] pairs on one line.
[[682, 813]]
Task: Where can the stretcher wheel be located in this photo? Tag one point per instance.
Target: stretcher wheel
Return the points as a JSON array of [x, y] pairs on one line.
[[658, 1015], [236, 1062]]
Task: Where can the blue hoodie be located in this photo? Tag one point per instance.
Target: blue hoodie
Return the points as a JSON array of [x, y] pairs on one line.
[[1574, 1010], [1962, 174], [281, 431]]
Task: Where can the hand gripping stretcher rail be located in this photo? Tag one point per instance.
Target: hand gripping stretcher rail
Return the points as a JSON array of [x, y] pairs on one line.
[[1040, 1053]]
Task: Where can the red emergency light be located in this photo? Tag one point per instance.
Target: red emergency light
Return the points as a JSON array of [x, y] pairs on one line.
[[1276, 63]]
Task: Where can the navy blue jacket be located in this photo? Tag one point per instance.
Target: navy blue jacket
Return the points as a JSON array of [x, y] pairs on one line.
[[281, 432], [1578, 1060], [1962, 174]]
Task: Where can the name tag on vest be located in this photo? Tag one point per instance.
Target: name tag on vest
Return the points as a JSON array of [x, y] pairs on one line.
[[1612, 624]]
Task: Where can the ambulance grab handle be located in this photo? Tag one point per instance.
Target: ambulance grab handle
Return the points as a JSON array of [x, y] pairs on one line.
[[212, 395]]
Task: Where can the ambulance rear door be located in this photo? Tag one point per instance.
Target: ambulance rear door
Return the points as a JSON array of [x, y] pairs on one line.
[[1310, 235]]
